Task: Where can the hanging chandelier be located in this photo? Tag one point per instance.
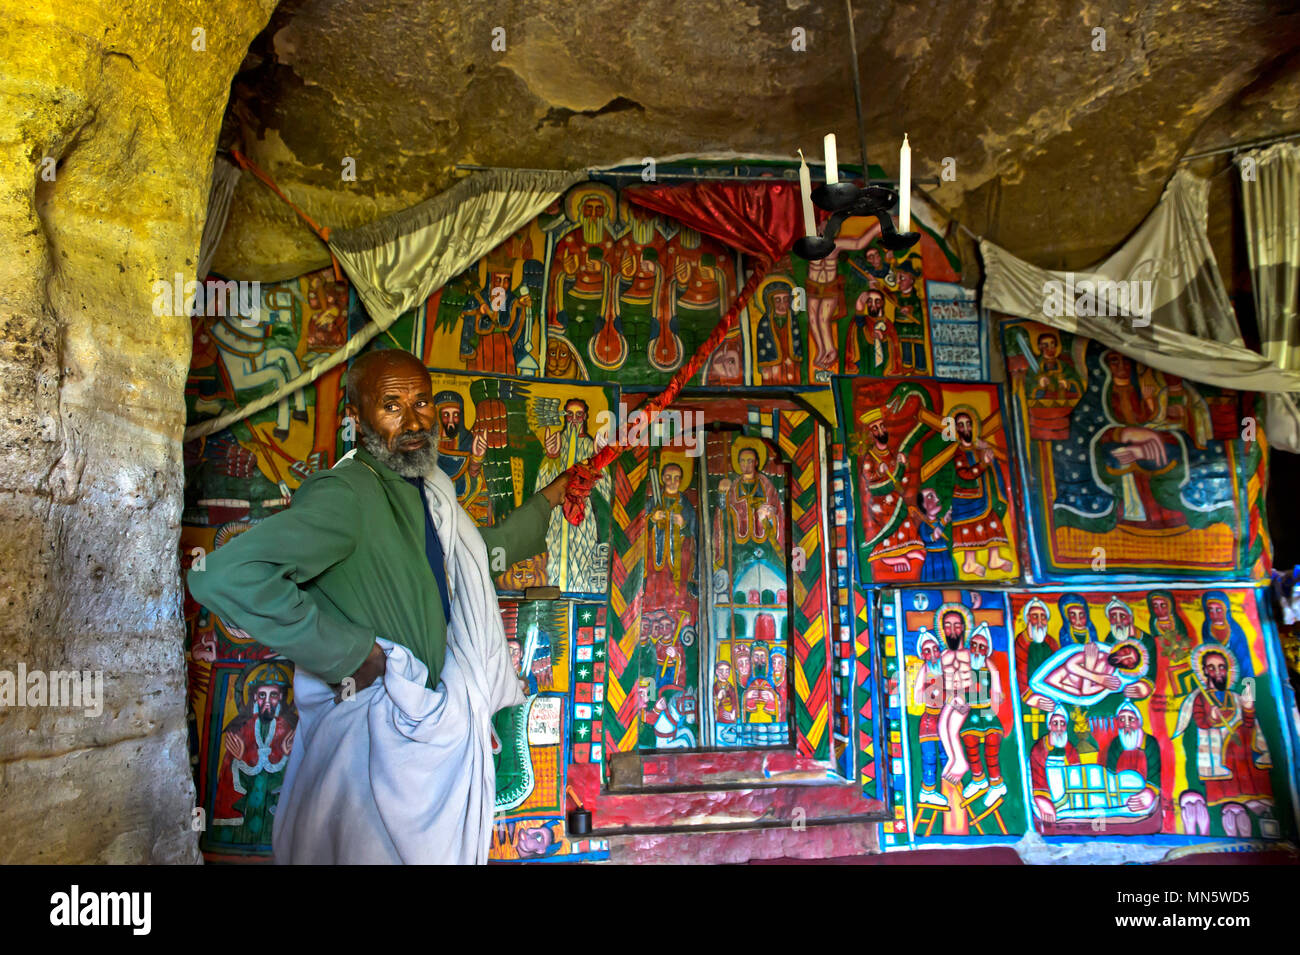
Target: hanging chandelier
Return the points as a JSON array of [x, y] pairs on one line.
[[845, 200]]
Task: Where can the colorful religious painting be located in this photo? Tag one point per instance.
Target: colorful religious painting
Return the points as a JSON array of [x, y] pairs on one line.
[[748, 605], [254, 466], [931, 481], [630, 295], [240, 714], [1128, 469], [590, 656], [777, 323], [952, 692], [500, 440], [489, 318], [244, 722], [1148, 711], [719, 631], [669, 650], [530, 742], [864, 310], [867, 312]]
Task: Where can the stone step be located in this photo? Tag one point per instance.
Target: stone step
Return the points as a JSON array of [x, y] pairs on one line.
[[730, 847], [789, 804]]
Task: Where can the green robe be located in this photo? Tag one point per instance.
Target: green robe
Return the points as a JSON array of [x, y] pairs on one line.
[[343, 565]]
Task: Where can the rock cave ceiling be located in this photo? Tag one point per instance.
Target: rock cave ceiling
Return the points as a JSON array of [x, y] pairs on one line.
[[1060, 150]]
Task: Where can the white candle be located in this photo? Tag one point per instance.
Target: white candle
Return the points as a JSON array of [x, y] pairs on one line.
[[805, 187], [832, 162], [905, 187]]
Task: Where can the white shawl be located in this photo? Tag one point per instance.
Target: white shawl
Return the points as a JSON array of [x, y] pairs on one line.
[[401, 773]]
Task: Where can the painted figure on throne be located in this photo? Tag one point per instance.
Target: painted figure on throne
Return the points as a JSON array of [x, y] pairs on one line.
[[582, 301], [700, 293], [645, 290], [1121, 455], [497, 318], [748, 599]]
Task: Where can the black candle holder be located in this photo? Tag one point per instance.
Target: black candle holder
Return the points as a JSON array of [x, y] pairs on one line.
[[844, 200]]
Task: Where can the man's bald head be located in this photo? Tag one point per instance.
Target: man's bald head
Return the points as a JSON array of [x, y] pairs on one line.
[[366, 366]]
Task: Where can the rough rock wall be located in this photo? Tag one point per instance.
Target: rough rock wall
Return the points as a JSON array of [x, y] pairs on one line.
[[91, 409], [1061, 149]]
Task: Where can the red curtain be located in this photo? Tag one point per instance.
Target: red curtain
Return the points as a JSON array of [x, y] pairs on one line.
[[761, 219]]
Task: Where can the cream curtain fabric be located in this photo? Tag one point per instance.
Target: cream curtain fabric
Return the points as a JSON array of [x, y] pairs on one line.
[[225, 176], [1192, 330], [396, 263], [1270, 194], [1270, 197]]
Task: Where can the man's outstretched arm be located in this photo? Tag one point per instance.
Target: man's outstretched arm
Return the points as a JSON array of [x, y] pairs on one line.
[[522, 534], [254, 581]]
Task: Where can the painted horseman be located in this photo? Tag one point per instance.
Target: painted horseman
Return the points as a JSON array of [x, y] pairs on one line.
[[252, 360]]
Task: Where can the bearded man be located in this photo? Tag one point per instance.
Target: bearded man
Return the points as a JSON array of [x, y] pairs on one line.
[[982, 733], [1231, 760], [572, 556], [889, 527], [958, 681], [927, 693], [256, 745], [375, 583], [979, 500], [1135, 749], [1051, 751], [1033, 646], [460, 453], [1122, 628], [872, 344]]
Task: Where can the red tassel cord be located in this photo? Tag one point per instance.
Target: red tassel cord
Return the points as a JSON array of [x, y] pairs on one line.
[[582, 476]]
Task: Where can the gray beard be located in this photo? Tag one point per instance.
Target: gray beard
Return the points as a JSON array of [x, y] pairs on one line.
[[1057, 739], [1130, 739], [406, 463], [1121, 631], [1037, 634]]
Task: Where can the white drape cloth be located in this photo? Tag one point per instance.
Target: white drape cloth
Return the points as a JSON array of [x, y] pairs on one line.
[[225, 176], [1270, 198], [401, 773], [398, 262], [1270, 194], [1193, 330]]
